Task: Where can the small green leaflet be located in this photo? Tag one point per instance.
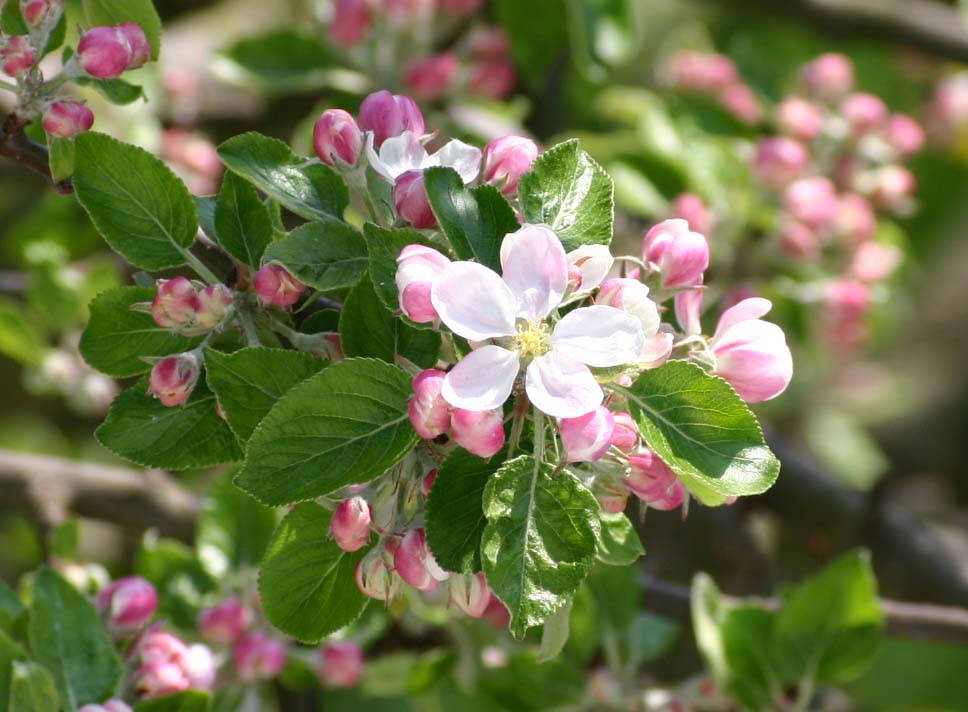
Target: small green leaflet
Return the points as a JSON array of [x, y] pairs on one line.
[[325, 255]]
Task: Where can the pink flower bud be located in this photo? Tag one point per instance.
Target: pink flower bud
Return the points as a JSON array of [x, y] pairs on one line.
[[625, 433], [492, 78], [199, 666], [429, 412], [337, 139], [812, 201], [799, 118], [388, 115], [699, 71], [651, 480], [875, 261], [109, 706], [138, 42], [258, 657], [460, 8], [105, 52], [16, 55], [470, 593], [739, 100], [66, 119], [352, 20], [411, 201], [829, 77], [480, 432], [505, 160], [691, 208], [856, 221], [415, 564], [632, 297], [427, 482], [173, 378], [904, 134], [893, 188], [431, 77], [374, 578], [128, 603], [275, 285], [779, 160], [750, 353], [351, 524], [417, 267], [341, 664], [488, 43], [799, 241], [212, 306], [158, 646], [846, 298], [175, 304], [948, 112], [160, 678], [37, 13], [225, 623], [611, 494], [863, 112], [680, 254], [587, 437]]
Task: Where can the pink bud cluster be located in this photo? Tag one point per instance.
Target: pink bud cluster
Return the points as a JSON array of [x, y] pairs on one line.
[[715, 76], [108, 52], [166, 665], [193, 158], [184, 307]]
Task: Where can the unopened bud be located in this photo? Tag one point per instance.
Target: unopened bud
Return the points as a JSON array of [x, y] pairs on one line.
[[492, 78], [587, 437], [480, 432], [374, 578], [109, 706], [66, 119], [680, 254], [812, 201], [415, 564], [351, 524], [16, 55], [799, 118], [417, 267], [212, 305], [505, 160], [341, 664], [904, 134], [411, 201], [173, 378], [105, 52], [337, 139], [40, 13], [275, 285], [625, 434], [225, 623], [863, 112], [429, 412], [779, 160], [829, 77], [352, 20], [388, 115], [651, 480], [128, 603], [159, 679], [258, 657], [431, 77], [470, 593], [175, 303]]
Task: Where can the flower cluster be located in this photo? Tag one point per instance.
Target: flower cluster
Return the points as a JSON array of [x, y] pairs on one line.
[[714, 76]]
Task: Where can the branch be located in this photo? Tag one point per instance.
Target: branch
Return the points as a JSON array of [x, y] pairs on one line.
[[14, 144], [932, 27], [941, 624], [53, 486]]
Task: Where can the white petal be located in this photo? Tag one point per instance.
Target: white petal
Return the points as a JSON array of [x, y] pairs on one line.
[[462, 157], [594, 261], [482, 380], [536, 270], [599, 336], [473, 301], [561, 387], [397, 155], [745, 310]]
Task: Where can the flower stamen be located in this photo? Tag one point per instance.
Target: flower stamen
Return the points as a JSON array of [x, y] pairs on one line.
[[532, 338]]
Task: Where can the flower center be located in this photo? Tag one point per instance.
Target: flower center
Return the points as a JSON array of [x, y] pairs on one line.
[[532, 338]]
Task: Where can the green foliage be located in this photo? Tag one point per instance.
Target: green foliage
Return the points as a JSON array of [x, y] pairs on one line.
[[347, 424], [32, 688], [61, 157], [280, 61], [190, 701], [19, 338], [618, 542], [703, 430], [114, 12], [324, 255], [571, 193], [534, 52], [306, 582], [117, 91], [178, 575], [603, 34], [67, 637], [9, 652], [242, 223], [137, 204], [539, 541], [311, 190]]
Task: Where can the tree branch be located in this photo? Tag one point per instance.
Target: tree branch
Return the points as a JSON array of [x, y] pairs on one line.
[[932, 27], [14, 144]]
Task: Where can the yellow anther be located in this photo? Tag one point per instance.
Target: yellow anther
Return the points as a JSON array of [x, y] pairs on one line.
[[532, 338]]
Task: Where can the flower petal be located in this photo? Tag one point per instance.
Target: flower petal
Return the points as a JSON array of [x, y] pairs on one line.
[[536, 270], [599, 336], [562, 387], [462, 157], [594, 261], [752, 308], [755, 359], [482, 380], [397, 155], [473, 301]]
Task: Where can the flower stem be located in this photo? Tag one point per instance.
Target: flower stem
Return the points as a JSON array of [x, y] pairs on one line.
[[248, 328], [539, 435], [196, 264], [9, 86]]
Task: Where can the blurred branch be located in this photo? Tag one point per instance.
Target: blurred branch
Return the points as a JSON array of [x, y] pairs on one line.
[[932, 27], [940, 624], [51, 487], [14, 144]]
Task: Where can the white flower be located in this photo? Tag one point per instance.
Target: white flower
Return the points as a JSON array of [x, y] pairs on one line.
[[594, 262], [406, 152], [478, 304]]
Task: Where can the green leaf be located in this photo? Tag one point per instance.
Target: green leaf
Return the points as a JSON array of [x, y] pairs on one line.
[[347, 424], [649, 637], [707, 610], [189, 701], [325, 255], [117, 339], [179, 577], [233, 531], [534, 52], [746, 634], [384, 246], [311, 190], [367, 328], [67, 637], [64, 539], [455, 511], [205, 205], [12, 21], [618, 542], [554, 634], [306, 583], [242, 223], [281, 61], [11, 609], [603, 34], [117, 91], [831, 625], [19, 337], [250, 381], [9, 652], [114, 12], [475, 220], [138, 205], [539, 541], [701, 429], [143, 431], [571, 193], [61, 157], [32, 688]]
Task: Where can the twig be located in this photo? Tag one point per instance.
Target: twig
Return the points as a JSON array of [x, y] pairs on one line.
[[14, 144]]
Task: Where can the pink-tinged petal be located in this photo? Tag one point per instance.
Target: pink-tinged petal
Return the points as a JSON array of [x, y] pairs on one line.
[[562, 387], [754, 357], [536, 270], [594, 262], [473, 301], [397, 155], [462, 157], [688, 310], [657, 350], [482, 380], [599, 336], [752, 308]]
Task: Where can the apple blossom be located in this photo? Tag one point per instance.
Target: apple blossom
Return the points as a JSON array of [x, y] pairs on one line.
[[875, 261], [799, 118], [588, 437], [863, 112], [679, 254], [225, 623], [779, 160], [257, 656], [856, 220], [505, 160], [175, 303], [698, 71], [374, 578], [493, 78], [429, 412], [892, 188], [159, 679], [415, 564], [386, 115], [411, 201], [128, 603], [337, 139], [470, 593], [651, 480], [625, 432], [66, 119], [688, 308], [351, 22], [588, 267], [173, 378], [740, 100], [480, 432], [114, 705], [904, 134], [632, 297], [829, 77], [212, 305], [478, 304], [16, 55], [798, 240], [431, 77], [351, 524], [406, 152], [812, 201], [275, 285], [417, 267], [199, 666], [341, 664]]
